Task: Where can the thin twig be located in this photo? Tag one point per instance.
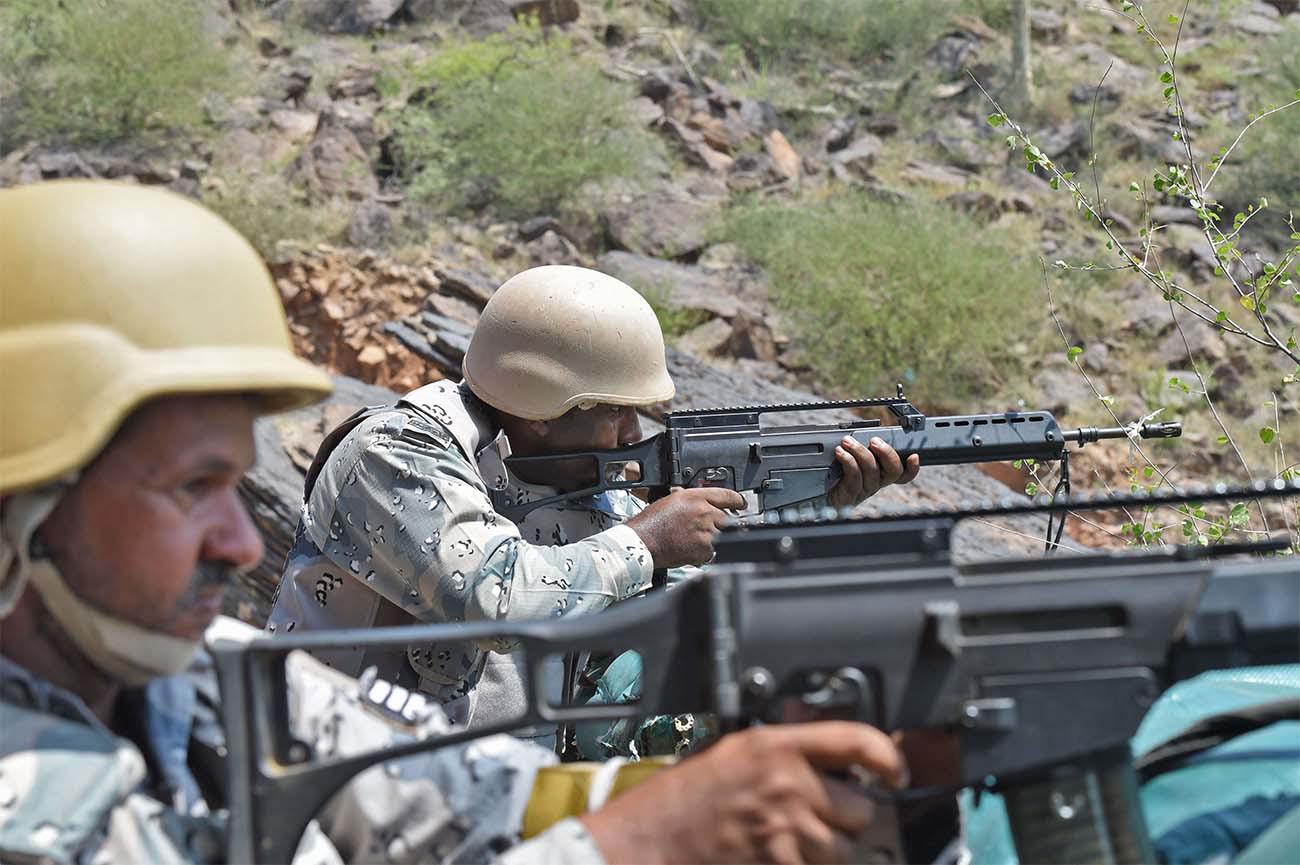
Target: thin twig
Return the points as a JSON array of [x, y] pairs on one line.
[[1092, 123], [1209, 402], [1224, 158]]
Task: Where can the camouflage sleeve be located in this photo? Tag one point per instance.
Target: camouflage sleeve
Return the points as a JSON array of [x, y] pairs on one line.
[[461, 803], [566, 842], [402, 508]]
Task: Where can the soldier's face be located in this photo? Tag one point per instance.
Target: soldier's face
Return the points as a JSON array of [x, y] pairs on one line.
[[599, 427], [153, 532]]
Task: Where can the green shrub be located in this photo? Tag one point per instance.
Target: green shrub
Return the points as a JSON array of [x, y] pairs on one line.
[[101, 70], [516, 122], [878, 293], [1265, 164], [274, 213], [774, 31]]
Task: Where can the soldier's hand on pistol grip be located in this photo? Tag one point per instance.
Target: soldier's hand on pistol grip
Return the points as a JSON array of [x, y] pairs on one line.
[[679, 528]]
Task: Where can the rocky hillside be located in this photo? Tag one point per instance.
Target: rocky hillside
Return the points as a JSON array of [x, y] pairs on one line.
[[725, 157]]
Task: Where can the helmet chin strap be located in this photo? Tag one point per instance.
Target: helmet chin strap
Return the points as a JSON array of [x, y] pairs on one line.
[[21, 515], [128, 653]]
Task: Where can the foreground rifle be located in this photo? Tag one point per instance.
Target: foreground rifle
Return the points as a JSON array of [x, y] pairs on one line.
[[785, 465], [1044, 667]]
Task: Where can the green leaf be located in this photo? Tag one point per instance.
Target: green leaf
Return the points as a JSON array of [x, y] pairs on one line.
[[1074, 352], [1148, 472], [1223, 440], [1239, 515], [1248, 302], [1134, 187], [1031, 488], [1267, 434], [1173, 19], [996, 119], [1166, 77]]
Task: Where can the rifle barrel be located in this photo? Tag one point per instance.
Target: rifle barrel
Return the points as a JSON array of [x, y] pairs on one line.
[[1083, 435]]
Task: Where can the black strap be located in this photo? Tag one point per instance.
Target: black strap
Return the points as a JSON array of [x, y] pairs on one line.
[[332, 440], [1207, 733]]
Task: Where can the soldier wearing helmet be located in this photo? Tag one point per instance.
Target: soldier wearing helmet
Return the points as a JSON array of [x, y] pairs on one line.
[[139, 338], [401, 520]]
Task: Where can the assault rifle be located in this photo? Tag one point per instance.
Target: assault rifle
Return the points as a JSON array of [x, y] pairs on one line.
[[1044, 666], [784, 465]]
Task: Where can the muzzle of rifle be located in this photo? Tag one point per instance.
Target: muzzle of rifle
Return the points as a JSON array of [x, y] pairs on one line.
[[1083, 435]]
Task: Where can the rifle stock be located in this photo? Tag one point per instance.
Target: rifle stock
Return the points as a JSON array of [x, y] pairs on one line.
[[1044, 667]]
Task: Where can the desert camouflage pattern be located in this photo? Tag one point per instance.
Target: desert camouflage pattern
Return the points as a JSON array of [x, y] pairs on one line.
[[73, 792], [402, 525]]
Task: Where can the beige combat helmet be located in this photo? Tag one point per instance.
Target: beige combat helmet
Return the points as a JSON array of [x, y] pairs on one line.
[[111, 295], [556, 337]]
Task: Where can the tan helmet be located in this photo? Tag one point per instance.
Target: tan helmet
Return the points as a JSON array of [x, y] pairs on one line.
[[556, 337], [112, 294]]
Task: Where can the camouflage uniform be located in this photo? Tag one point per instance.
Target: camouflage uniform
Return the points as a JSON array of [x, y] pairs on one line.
[[72, 791], [401, 525]]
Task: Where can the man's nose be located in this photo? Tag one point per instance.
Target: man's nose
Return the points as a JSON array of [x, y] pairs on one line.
[[233, 538], [629, 430]]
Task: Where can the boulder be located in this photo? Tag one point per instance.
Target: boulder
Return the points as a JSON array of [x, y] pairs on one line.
[[1046, 26], [335, 164], [1203, 342], [859, 156], [928, 173], [752, 171], [553, 248], [720, 293], [953, 53], [348, 16], [666, 223], [695, 146], [370, 224], [296, 126], [435, 10], [485, 17], [713, 338], [354, 82], [1062, 389], [783, 155], [546, 12], [752, 338], [471, 285]]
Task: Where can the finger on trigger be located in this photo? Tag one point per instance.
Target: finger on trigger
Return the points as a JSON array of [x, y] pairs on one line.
[[840, 744], [724, 498]]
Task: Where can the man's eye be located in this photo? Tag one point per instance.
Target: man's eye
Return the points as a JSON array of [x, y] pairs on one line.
[[200, 486]]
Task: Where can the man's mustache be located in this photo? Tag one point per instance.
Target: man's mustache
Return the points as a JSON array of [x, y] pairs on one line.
[[208, 575]]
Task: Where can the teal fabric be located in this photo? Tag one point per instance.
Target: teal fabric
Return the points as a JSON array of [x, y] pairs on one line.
[[1265, 763]]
